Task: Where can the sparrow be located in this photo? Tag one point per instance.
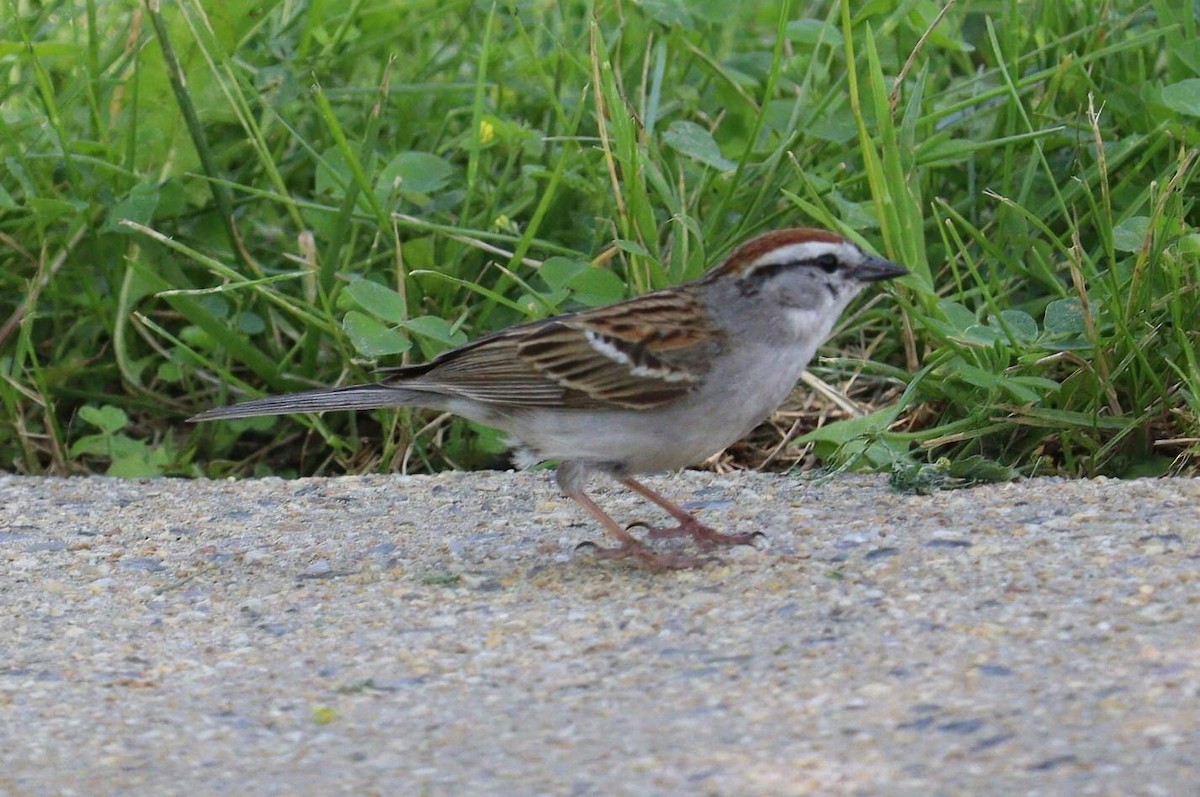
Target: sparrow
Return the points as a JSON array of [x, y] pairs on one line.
[[653, 383]]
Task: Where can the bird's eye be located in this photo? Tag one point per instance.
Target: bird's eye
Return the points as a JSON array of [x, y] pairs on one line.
[[827, 262]]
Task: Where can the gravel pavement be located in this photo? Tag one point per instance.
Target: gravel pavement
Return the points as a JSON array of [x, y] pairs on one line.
[[443, 635]]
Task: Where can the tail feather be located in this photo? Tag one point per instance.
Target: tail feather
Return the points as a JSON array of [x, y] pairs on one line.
[[356, 397]]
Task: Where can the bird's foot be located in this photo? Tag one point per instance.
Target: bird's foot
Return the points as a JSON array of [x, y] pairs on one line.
[[705, 536], [646, 556]]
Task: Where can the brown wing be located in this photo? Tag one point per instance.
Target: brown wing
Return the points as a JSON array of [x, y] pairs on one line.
[[637, 354]]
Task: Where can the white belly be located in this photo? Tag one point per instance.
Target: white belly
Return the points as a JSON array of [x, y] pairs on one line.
[[673, 436]]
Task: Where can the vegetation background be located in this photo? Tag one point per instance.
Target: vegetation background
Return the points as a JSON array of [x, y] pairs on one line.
[[202, 201]]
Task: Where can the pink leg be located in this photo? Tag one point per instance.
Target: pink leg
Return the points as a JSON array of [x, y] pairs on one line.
[[688, 524], [630, 546]]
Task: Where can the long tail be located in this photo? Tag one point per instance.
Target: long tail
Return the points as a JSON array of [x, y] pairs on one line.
[[355, 397]]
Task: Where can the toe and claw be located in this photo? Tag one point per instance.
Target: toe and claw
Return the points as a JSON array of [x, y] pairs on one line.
[[645, 555], [630, 547], [705, 536]]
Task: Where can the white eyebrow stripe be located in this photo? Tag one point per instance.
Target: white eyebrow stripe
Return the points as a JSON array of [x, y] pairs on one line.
[[807, 250]]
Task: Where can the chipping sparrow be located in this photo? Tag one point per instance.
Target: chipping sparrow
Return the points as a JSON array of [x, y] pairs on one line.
[[656, 382]]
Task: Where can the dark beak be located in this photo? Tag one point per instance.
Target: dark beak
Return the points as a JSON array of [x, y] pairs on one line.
[[875, 269]]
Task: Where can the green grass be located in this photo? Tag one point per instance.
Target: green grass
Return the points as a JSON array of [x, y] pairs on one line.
[[202, 202]]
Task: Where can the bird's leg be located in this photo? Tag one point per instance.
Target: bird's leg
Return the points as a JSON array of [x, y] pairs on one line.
[[571, 479], [630, 546], [688, 526]]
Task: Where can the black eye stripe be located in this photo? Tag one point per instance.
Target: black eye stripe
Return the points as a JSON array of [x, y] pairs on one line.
[[765, 272], [827, 262]]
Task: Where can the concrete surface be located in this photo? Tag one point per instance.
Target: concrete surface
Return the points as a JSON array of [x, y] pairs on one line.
[[443, 636]]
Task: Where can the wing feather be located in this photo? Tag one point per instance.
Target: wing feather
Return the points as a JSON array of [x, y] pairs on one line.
[[638, 354]]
